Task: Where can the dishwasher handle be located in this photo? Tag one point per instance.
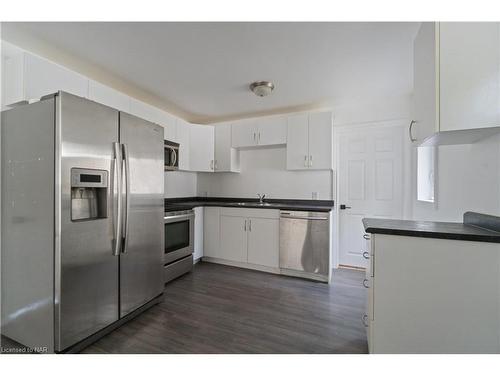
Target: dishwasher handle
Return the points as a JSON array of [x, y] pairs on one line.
[[290, 216]]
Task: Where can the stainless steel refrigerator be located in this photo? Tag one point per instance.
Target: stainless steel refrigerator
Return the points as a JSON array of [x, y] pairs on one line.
[[82, 220]]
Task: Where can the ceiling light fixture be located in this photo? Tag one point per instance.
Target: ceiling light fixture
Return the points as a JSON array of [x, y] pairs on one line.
[[262, 88]]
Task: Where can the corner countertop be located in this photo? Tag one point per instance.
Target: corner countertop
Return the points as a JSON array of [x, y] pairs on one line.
[[178, 204], [476, 227]]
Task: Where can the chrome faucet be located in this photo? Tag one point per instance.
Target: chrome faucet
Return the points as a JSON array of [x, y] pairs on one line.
[[261, 198]]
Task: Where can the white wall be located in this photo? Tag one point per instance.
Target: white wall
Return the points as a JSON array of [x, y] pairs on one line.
[[468, 179], [180, 184], [363, 110], [263, 171]]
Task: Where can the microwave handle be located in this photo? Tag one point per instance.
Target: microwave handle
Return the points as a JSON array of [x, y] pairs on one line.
[[175, 157]]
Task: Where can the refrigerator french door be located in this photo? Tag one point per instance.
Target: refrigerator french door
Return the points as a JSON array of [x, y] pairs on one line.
[[86, 261], [110, 265], [141, 258]]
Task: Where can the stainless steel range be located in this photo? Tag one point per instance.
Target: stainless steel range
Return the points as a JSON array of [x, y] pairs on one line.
[[179, 243]]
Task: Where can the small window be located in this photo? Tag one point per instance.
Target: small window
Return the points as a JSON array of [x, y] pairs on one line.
[[426, 162]]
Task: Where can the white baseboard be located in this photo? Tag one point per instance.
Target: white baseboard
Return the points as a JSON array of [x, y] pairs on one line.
[[250, 266]]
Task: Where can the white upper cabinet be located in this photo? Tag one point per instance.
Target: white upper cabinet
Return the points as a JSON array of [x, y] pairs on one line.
[[227, 159], [425, 78], [31, 77], [320, 140], [456, 82], [244, 134], [310, 141], [145, 111], [297, 148], [469, 75], [107, 96], [12, 79], [183, 135], [201, 138], [169, 124], [271, 131], [265, 131]]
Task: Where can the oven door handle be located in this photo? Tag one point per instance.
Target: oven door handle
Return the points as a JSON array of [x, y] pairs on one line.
[[175, 218]]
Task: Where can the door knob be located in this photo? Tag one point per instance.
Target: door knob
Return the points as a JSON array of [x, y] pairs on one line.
[[344, 207]]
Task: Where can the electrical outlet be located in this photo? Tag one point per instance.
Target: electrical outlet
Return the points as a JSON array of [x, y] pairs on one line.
[[314, 195]]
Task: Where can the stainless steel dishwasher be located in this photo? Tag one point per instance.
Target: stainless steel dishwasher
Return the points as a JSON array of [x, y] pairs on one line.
[[305, 244]]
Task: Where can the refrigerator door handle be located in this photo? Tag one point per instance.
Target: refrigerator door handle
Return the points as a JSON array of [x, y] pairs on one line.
[[127, 198], [117, 174]]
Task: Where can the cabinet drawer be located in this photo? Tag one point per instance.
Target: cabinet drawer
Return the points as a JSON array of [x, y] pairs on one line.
[[250, 212]]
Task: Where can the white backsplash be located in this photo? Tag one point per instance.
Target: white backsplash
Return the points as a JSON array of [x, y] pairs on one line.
[[180, 184], [264, 171]]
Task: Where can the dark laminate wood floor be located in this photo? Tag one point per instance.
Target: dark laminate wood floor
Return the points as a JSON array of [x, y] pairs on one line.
[[221, 309]]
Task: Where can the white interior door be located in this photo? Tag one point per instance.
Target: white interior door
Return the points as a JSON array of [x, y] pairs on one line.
[[370, 183]]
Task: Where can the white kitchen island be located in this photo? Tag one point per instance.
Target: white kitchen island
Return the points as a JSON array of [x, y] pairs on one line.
[[432, 287]]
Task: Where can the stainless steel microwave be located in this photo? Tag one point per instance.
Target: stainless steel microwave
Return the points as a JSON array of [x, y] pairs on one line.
[[171, 156]]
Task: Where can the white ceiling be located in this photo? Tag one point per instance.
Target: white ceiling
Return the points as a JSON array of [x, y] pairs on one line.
[[203, 69]]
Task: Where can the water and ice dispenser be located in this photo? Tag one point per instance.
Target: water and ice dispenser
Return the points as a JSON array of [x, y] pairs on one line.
[[89, 194]]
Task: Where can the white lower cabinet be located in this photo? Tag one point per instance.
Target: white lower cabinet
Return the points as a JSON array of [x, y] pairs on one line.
[[248, 237], [263, 242], [428, 295], [211, 232], [233, 238], [198, 233]]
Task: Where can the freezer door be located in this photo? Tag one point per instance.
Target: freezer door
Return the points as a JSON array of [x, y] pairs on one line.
[[86, 280], [141, 277]]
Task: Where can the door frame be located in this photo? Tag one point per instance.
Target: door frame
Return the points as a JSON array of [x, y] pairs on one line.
[[407, 176]]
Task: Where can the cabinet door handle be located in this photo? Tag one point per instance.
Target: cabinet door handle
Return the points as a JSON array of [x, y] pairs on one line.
[[215, 165], [211, 164], [366, 255], [410, 133], [366, 236], [259, 137], [365, 319], [310, 160], [249, 225], [365, 283], [305, 160], [254, 135], [245, 226]]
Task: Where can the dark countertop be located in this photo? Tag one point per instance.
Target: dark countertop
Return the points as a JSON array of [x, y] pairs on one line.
[[452, 231], [178, 204]]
